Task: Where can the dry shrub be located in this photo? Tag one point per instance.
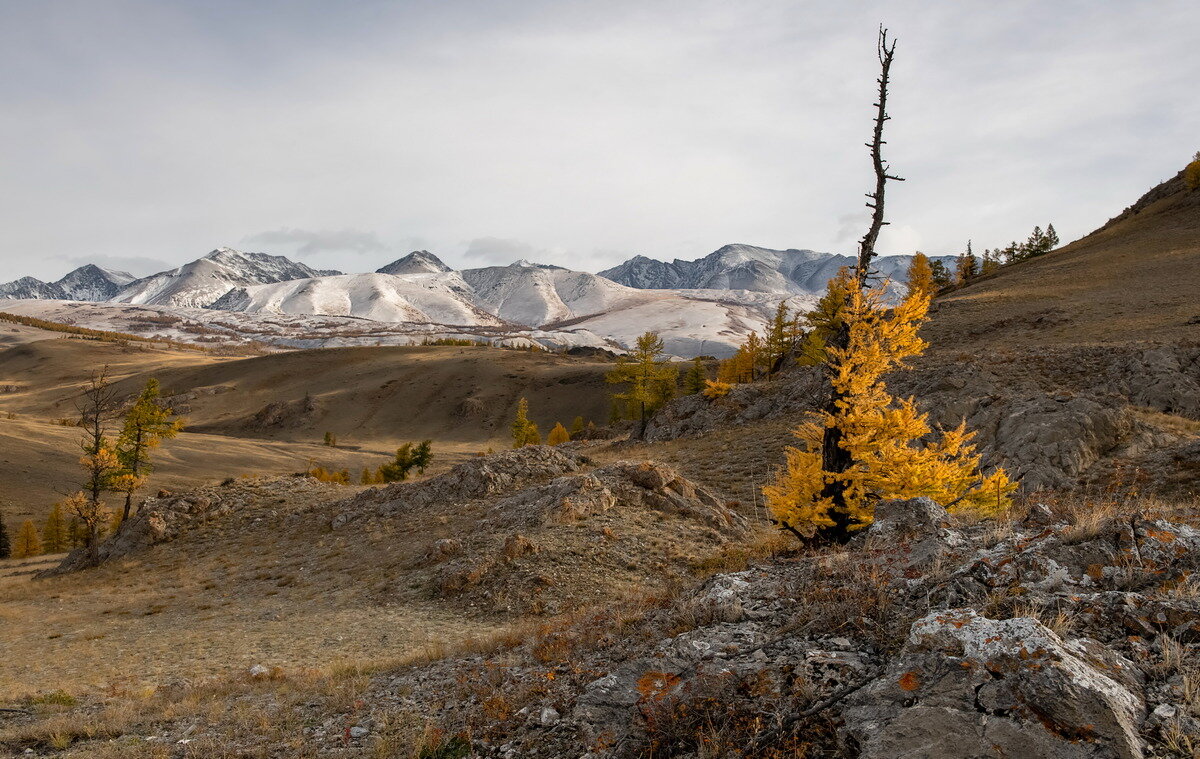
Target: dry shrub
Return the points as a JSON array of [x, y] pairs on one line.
[[720, 715], [844, 595]]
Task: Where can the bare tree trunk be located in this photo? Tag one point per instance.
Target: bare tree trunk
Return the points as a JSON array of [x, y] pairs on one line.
[[835, 458]]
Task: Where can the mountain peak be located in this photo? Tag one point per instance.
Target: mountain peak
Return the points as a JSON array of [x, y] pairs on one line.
[[417, 262]]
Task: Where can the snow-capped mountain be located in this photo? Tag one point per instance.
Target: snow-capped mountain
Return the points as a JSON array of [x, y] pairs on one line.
[[535, 294], [88, 282], [205, 280], [91, 282], [747, 267], [417, 262], [422, 298]]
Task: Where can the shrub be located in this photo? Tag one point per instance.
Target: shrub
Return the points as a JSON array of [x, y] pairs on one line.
[[1191, 175]]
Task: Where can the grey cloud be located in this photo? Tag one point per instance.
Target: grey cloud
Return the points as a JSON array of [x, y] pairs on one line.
[[306, 242], [498, 251]]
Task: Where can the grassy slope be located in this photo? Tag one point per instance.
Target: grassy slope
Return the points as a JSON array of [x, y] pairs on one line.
[[1136, 278]]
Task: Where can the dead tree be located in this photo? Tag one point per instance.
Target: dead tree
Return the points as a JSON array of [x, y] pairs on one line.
[[834, 458]]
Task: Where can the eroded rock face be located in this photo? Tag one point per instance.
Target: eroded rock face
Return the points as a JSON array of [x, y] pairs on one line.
[[967, 686]]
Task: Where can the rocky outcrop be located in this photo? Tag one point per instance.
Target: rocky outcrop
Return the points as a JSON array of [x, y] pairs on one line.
[[966, 686]]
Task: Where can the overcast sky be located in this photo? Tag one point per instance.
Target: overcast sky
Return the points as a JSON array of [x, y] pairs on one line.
[[141, 135]]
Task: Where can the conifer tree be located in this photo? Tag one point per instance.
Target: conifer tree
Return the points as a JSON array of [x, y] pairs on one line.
[[75, 529], [1051, 237], [920, 276], [941, 275], [5, 542], [780, 341], [968, 266], [366, 478], [884, 437], [535, 435], [1191, 174], [693, 381], [558, 435], [990, 262], [55, 535], [147, 424], [100, 462], [330, 440], [28, 543], [646, 379], [862, 445], [614, 412], [422, 455], [523, 430], [577, 426], [398, 468]]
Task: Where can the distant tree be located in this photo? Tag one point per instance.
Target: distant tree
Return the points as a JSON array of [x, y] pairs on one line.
[[5, 542], [1051, 238], [75, 529], [780, 340], [990, 262], [614, 412], [558, 435], [1191, 174], [56, 537], [920, 275], [422, 455], [693, 381], [101, 465], [398, 468], [941, 275], [331, 440], [147, 424], [646, 379], [968, 266], [28, 543], [535, 435], [367, 477], [523, 430], [577, 426]]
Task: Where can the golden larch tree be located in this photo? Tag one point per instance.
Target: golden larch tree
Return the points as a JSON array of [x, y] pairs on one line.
[[649, 382], [558, 435], [56, 536], [523, 430], [147, 424], [28, 544], [920, 276]]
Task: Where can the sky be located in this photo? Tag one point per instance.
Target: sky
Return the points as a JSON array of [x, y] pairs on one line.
[[140, 135]]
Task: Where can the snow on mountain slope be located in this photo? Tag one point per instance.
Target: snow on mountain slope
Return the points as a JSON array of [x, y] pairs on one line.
[[204, 280], [534, 295], [419, 298], [91, 282], [88, 282], [417, 262], [30, 288], [747, 267]]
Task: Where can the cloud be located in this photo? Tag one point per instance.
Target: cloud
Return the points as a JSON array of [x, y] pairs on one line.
[[305, 242], [139, 266], [498, 251]]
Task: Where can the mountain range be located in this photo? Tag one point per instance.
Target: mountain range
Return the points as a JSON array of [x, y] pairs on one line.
[[707, 305]]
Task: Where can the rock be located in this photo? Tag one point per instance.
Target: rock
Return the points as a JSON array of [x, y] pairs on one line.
[[358, 732], [967, 686], [910, 535], [516, 546], [443, 549], [258, 672], [548, 717]]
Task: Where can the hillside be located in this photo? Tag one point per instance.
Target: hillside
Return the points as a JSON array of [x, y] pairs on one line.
[[268, 414], [1135, 278]]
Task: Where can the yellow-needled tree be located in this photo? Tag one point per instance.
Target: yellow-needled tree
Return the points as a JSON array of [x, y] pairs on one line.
[[920, 276], [28, 543], [147, 424], [864, 446], [558, 435], [56, 535]]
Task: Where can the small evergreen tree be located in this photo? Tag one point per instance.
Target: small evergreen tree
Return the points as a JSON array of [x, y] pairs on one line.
[[990, 263], [693, 381], [366, 478], [577, 426], [55, 535], [1051, 238], [422, 455], [558, 435], [780, 341], [398, 468], [331, 439], [523, 430], [5, 542], [941, 275], [28, 542], [647, 379], [968, 266]]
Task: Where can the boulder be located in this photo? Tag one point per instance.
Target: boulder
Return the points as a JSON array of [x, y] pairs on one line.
[[966, 686]]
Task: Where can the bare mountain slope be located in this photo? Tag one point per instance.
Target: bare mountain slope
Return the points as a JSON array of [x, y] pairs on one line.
[[1135, 278]]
